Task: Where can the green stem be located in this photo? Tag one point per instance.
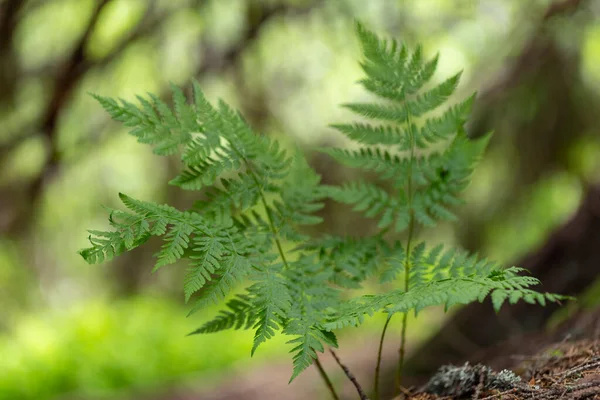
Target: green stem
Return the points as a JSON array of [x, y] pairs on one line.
[[270, 219], [272, 226], [322, 372], [408, 263], [326, 379], [378, 367], [402, 351]]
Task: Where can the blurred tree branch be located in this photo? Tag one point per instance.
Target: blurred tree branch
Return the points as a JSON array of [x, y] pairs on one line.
[[562, 7], [73, 69], [536, 99], [9, 12], [69, 76]]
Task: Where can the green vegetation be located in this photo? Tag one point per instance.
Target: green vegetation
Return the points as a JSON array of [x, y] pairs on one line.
[[257, 196], [95, 350]]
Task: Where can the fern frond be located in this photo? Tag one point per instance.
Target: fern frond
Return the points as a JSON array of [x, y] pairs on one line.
[[395, 260], [105, 247], [185, 114], [374, 201], [231, 271], [378, 111], [307, 285], [300, 198], [306, 347], [230, 196], [131, 230], [206, 260], [272, 302], [160, 129], [371, 135], [499, 284], [351, 260], [239, 316], [441, 128], [258, 197], [206, 172], [434, 98], [376, 160], [176, 241]]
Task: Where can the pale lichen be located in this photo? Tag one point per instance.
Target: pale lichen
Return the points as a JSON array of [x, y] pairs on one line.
[[461, 381]]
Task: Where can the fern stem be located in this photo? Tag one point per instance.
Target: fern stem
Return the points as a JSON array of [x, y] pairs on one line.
[[359, 389], [271, 224], [402, 352], [408, 263], [320, 368], [378, 367], [326, 379]]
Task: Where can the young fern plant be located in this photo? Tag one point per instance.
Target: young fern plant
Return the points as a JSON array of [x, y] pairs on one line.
[[426, 159], [257, 197]]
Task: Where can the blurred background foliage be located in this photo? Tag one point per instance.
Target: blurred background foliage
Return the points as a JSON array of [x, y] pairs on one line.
[[73, 331]]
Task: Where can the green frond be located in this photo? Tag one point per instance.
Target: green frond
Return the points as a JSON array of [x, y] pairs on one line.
[[272, 303], [393, 73], [176, 241], [300, 198], [437, 264], [240, 315], [349, 260], [385, 60], [423, 75], [376, 160], [434, 98], [199, 148], [443, 177], [312, 297], [443, 127], [154, 123], [372, 135], [204, 173], [206, 260], [239, 194], [232, 270], [149, 209], [105, 247], [132, 230], [373, 201], [186, 115], [422, 263], [352, 313], [306, 347], [394, 264], [500, 285], [382, 112]]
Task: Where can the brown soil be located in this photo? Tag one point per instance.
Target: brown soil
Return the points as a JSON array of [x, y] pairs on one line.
[[555, 369], [569, 370]]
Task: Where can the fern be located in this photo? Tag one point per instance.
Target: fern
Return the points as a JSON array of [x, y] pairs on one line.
[[255, 196], [427, 161]]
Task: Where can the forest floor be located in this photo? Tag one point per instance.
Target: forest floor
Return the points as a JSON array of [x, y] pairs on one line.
[[567, 370], [563, 364]]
